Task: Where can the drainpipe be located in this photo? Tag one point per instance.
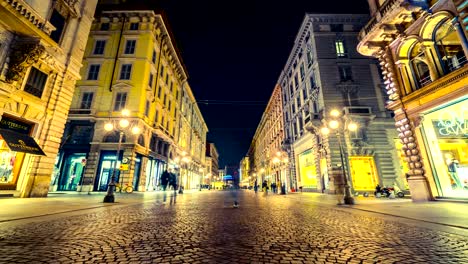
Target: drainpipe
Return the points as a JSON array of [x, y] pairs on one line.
[[157, 67], [117, 54]]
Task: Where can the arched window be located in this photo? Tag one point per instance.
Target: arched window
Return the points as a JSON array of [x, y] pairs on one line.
[[419, 65], [153, 143], [449, 47]]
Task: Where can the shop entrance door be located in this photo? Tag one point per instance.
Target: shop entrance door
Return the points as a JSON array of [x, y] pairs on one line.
[[106, 169], [363, 173], [72, 172]]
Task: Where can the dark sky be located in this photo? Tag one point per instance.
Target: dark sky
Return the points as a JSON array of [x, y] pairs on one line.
[[234, 51]]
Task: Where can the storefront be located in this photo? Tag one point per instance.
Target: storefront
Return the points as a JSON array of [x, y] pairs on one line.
[[71, 174], [445, 132], [106, 170], [307, 170], [15, 142], [154, 169]]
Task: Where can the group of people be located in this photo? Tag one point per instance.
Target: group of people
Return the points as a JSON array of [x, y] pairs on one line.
[[168, 178], [265, 187]]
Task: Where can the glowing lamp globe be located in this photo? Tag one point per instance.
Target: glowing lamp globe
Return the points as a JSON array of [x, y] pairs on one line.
[[108, 127], [124, 123]]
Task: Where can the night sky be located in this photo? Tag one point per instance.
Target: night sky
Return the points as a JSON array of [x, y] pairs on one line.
[[234, 51]]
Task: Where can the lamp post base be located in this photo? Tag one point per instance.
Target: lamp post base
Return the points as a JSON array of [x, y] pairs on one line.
[[181, 191], [109, 199]]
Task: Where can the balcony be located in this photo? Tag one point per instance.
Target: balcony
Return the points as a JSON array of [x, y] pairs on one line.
[[357, 110], [387, 22], [30, 21]]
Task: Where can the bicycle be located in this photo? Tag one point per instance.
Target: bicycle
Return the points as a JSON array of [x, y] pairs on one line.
[[127, 188]]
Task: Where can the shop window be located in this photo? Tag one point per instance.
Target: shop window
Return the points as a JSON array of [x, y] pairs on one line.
[[449, 47], [419, 65], [36, 82], [10, 165]]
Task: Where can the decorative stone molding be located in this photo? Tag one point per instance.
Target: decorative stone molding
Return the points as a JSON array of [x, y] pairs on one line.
[[389, 75], [24, 53], [410, 147], [23, 9]]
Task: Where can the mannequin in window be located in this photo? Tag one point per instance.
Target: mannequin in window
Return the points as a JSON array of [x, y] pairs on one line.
[[452, 165]]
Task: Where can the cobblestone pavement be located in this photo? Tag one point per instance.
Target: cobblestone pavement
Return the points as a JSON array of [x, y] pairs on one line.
[[204, 228]]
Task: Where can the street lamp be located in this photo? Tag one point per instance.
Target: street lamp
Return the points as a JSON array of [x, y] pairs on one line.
[[124, 123], [334, 124]]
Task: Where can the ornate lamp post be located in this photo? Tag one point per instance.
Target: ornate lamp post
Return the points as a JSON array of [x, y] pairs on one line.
[[123, 125], [334, 124]]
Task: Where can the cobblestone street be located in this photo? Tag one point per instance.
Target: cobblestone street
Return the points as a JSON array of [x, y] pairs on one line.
[[204, 228]]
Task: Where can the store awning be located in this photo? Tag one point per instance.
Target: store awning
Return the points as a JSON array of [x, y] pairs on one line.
[[21, 142]]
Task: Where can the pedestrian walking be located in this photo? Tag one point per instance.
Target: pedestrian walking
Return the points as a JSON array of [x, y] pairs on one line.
[[256, 186], [164, 179]]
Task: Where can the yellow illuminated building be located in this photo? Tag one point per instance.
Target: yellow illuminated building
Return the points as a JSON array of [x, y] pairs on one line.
[[42, 43], [131, 64], [423, 49]]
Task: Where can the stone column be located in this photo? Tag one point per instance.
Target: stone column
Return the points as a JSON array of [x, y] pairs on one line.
[[461, 35], [417, 181]]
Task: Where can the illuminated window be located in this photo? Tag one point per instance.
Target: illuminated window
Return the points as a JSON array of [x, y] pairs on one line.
[[340, 48]]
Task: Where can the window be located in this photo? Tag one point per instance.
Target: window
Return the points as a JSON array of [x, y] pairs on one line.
[[164, 100], [59, 22], [449, 47], [125, 72], [172, 88], [153, 59], [159, 91], [99, 47], [156, 117], [309, 59], [93, 72], [298, 101], [302, 71], [161, 73], [105, 26], [150, 82], [36, 82], [167, 79], [147, 107], [340, 49], [86, 100], [419, 65], [177, 95], [312, 82], [296, 81], [304, 94], [120, 101], [130, 46], [170, 104], [345, 73], [134, 26]]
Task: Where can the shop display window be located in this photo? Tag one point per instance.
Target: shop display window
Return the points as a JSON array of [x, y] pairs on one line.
[[10, 165], [446, 134]]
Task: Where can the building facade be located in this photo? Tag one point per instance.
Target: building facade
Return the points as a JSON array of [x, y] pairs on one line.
[[212, 163], [266, 147], [41, 49], [130, 65], [423, 49], [325, 72]]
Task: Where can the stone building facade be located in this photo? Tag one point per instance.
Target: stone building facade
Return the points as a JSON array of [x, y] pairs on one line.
[[423, 49], [41, 50], [325, 72]]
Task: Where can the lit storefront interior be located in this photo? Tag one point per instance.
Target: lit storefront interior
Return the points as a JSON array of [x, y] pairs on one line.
[[10, 165], [363, 173], [445, 132], [307, 170]]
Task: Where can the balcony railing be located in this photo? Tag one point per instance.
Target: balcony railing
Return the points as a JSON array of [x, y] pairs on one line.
[[357, 110]]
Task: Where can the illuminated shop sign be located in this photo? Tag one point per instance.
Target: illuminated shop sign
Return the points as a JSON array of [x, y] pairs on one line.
[[451, 128], [15, 125]]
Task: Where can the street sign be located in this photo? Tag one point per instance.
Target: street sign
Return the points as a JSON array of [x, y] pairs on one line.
[[123, 167]]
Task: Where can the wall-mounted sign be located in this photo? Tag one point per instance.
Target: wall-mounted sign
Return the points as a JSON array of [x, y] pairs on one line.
[[15, 125], [123, 167], [451, 128], [21, 142]]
